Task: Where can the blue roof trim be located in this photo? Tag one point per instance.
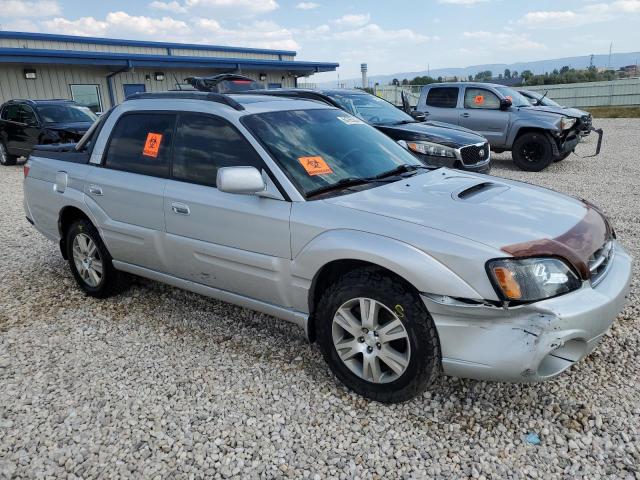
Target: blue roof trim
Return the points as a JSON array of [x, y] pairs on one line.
[[67, 57], [137, 43]]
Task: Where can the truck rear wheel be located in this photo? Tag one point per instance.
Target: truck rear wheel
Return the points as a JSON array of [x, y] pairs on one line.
[[90, 262], [5, 158], [532, 151], [377, 336]]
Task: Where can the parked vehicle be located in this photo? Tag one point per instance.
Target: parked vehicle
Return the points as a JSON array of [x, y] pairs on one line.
[[433, 143], [305, 212], [25, 123], [536, 137], [224, 83], [585, 121]]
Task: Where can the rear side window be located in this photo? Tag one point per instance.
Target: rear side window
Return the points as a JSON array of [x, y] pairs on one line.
[[11, 113], [443, 97], [481, 98], [141, 143], [204, 144]]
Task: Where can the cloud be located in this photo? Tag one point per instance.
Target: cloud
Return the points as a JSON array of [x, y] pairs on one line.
[[25, 8], [84, 26], [373, 33], [249, 6], [502, 41], [592, 13], [307, 5], [353, 20], [174, 6], [259, 34]]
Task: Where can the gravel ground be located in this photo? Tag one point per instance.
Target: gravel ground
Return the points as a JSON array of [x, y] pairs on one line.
[[160, 383]]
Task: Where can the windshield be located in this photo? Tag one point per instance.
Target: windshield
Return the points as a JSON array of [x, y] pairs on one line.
[[319, 148], [517, 99], [65, 113], [370, 108], [546, 101]]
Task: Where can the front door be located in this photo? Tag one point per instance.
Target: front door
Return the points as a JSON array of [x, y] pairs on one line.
[[238, 243], [133, 88], [482, 114], [126, 193]]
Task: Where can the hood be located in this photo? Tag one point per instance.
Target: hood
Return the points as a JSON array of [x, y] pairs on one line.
[[73, 127], [437, 132], [505, 215], [567, 112]]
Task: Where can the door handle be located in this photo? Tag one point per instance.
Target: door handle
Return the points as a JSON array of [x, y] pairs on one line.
[[180, 208], [95, 190], [465, 115]]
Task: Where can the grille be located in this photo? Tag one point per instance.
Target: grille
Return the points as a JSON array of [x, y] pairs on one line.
[[475, 154], [600, 261]]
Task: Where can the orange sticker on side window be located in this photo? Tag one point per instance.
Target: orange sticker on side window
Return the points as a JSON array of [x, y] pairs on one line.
[[152, 145], [315, 165], [479, 100]]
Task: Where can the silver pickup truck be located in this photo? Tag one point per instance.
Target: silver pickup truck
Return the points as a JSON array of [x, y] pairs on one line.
[[302, 211], [536, 136]]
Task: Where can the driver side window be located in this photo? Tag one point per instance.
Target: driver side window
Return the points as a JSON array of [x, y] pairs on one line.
[[479, 98], [27, 116]]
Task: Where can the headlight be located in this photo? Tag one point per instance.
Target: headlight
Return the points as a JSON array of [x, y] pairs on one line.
[[566, 123], [432, 149], [532, 279]]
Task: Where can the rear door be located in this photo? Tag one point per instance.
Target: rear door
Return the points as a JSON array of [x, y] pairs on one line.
[[482, 114], [126, 192], [238, 243], [441, 104]]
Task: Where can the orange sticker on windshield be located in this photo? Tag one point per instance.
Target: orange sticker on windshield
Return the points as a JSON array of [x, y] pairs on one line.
[[315, 165], [479, 100], [152, 145]]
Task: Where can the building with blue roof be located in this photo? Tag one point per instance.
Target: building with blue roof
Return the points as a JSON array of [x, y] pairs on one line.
[[102, 72]]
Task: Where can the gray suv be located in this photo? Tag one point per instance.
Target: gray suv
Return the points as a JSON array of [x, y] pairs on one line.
[[536, 137], [305, 212]]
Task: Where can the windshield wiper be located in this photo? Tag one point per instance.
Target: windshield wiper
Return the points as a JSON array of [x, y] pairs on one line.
[[400, 169], [404, 122]]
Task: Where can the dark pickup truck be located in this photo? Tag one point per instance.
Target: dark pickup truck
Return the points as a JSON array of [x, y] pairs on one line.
[[26, 123]]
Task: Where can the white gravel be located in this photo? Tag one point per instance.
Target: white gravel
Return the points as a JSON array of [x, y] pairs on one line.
[[160, 383]]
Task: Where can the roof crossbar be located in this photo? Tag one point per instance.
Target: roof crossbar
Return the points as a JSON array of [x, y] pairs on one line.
[[211, 97]]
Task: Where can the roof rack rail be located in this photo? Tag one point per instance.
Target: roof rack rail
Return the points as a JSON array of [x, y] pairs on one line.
[[211, 97]]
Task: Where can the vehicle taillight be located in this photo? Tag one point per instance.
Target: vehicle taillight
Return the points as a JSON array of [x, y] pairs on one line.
[[25, 169]]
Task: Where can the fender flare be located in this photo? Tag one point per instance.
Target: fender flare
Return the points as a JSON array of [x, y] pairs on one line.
[[518, 125], [417, 267]]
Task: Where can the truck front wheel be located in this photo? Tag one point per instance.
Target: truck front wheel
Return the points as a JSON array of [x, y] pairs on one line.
[[377, 336], [532, 151], [5, 158]]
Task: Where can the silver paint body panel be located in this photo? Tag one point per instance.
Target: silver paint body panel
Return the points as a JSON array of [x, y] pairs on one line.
[[263, 252]]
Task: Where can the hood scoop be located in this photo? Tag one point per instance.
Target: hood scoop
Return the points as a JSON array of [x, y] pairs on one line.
[[480, 192]]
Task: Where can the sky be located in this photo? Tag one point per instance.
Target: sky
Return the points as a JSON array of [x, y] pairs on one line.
[[389, 36]]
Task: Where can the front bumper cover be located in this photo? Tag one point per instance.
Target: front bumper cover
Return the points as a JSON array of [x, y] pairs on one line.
[[531, 342]]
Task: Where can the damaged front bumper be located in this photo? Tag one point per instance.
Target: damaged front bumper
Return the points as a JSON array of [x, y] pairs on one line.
[[531, 342]]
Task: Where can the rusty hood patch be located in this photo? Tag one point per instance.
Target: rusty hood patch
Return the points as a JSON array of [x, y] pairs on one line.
[[576, 245]]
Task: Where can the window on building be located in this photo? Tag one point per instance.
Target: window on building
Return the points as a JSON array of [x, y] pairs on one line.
[[481, 98], [443, 97], [203, 144], [141, 143], [87, 95]]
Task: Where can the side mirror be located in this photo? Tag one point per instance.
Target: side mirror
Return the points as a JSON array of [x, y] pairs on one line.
[[419, 116], [243, 180], [505, 104]]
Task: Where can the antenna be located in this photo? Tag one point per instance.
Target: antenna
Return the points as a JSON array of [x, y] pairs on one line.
[[177, 83]]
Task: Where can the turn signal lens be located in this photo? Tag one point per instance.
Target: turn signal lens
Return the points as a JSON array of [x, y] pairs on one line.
[[25, 169], [508, 283]]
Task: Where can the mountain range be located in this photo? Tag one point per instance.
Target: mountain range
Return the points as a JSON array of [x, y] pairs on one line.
[[541, 66]]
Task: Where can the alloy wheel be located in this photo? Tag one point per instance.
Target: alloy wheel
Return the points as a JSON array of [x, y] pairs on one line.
[[86, 258], [371, 340]]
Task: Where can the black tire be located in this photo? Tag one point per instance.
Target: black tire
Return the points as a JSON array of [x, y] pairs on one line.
[[6, 159], [532, 151], [111, 280], [424, 364], [563, 156]]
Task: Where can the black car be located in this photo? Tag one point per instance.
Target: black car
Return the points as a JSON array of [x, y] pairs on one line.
[[26, 123], [224, 83], [433, 143]]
